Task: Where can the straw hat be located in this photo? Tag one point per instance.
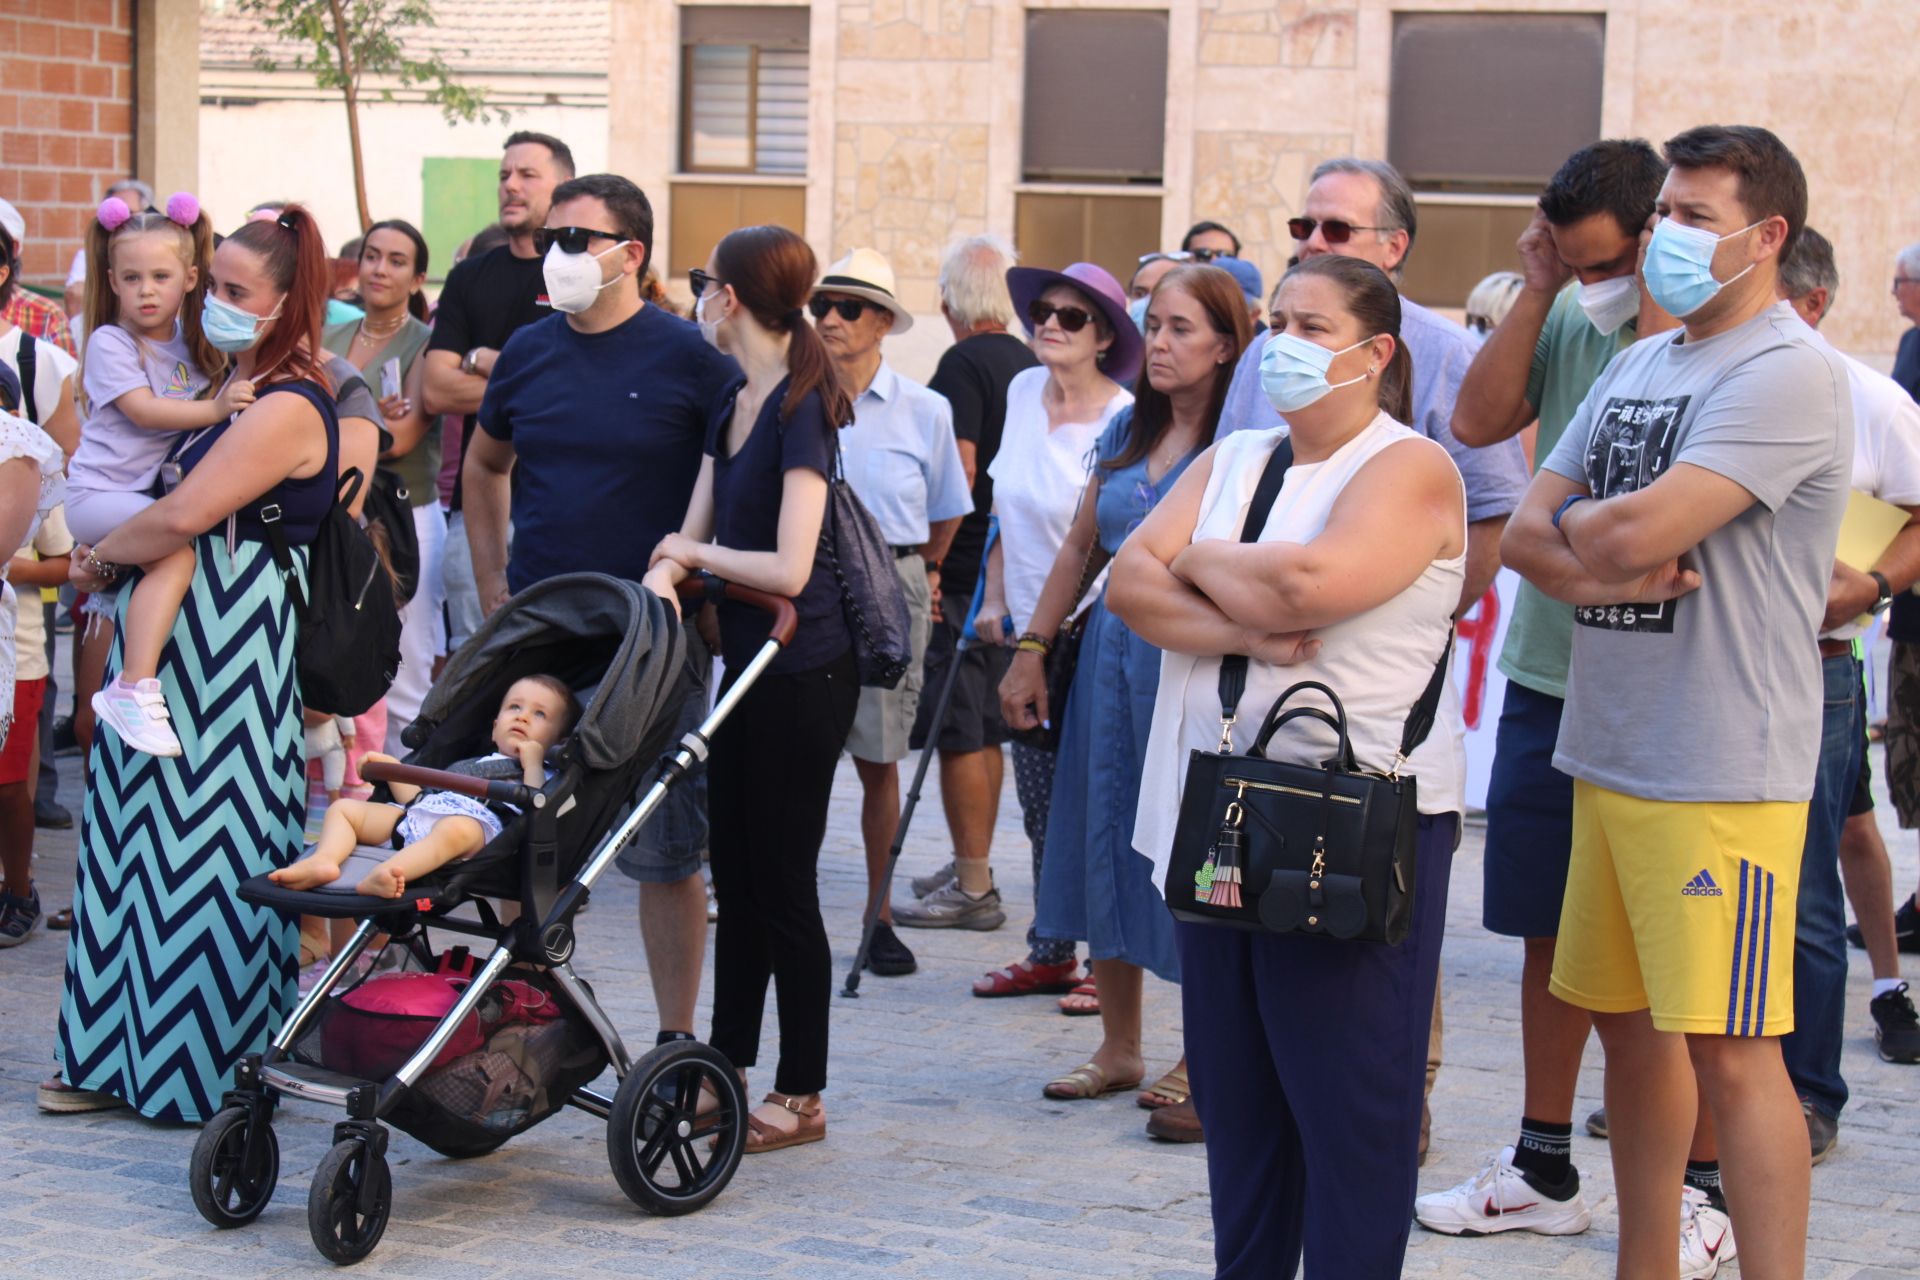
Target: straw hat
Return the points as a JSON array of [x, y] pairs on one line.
[[865, 274]]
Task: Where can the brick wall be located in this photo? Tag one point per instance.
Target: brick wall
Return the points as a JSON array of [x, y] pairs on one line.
[[66, 118]]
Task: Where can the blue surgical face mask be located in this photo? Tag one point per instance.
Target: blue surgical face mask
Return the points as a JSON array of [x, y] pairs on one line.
[[1293, 371], [1679, 270], [229, 328], [1138, 310]]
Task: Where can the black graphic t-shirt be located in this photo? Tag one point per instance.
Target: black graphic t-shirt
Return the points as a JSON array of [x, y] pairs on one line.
[[1717, 695]]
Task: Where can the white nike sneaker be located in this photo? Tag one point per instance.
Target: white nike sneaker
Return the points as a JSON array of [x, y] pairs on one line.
[[1499, 1198], [1706, 1236], [138, 713]]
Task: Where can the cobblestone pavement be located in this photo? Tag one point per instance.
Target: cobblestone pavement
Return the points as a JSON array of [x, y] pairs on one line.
[[944, 1161]]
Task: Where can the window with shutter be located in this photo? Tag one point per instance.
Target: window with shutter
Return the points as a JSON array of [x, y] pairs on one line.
[[1096, 96], [744, 90]]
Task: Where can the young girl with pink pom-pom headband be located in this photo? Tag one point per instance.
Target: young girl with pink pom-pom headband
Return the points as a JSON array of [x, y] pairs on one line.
[[150, 377]]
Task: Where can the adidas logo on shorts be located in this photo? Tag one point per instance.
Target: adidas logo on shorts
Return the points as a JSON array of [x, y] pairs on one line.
[[1701, 886]]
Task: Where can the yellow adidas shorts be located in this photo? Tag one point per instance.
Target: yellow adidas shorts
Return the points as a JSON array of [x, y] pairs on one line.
[[1684, 909]]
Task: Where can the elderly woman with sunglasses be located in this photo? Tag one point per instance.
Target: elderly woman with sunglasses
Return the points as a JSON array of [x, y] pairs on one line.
[[1093, 885], [1088, 349]]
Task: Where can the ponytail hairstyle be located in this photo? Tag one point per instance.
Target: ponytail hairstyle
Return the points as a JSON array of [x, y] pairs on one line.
[[1373, 300], [771, 271], [192, 232], [295, 260], [417, 300]]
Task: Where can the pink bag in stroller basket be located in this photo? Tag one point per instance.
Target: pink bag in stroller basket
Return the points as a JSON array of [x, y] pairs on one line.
[[377, 1026]]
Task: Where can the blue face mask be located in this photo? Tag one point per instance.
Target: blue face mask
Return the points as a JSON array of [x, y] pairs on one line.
[[229, 328], [1679, 270], [1293, 371], [1138, 310]]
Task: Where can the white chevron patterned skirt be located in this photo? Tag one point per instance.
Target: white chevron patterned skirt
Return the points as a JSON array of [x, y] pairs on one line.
[[170, 977]]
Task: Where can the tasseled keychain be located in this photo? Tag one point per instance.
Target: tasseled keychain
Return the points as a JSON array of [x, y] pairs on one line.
[[1226, 856]]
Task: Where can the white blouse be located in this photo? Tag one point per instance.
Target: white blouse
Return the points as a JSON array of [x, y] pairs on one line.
[[21, 439], [1379, 661]]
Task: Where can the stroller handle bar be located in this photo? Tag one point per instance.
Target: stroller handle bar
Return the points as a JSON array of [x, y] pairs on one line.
[[501, 792], [785, 619]]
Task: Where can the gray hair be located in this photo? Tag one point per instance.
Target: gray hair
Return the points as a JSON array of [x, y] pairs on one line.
[[1908, 261], [1396, 211], [1809, 266], [1491, 299], [973, 281], [136, 186]]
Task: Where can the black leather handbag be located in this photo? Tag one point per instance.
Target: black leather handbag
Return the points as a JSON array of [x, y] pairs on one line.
[[871, 596], [1322, 849]]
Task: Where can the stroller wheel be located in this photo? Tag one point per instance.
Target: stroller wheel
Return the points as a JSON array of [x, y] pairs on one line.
[[668, 1155], [232, 1184], [348, 1205]]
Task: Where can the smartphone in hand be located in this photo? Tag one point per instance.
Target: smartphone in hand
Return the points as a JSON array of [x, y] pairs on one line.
[[390, 379]]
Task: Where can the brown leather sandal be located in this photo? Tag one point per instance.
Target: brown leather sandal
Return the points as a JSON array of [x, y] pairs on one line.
[[763, 1137]]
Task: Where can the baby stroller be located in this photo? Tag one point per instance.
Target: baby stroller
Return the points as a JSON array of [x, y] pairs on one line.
[[467, 1081]]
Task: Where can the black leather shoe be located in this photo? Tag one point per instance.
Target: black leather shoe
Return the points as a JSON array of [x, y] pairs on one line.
[[887, 956], [1823, 1131], [51, 815]]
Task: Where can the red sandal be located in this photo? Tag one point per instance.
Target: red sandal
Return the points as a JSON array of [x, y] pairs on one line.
[[1025, 978], [1085, 991]]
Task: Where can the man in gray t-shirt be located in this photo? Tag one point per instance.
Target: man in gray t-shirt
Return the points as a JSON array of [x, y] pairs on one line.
[[1690, 514]]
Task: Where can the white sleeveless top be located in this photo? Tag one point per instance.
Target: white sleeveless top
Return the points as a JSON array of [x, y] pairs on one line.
[[1379, 661]]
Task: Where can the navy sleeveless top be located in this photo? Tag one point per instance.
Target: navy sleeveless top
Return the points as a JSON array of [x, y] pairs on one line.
[[303, 503]]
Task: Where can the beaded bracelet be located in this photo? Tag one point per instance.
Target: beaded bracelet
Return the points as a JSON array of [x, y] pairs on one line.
[[101, 568], [1032, 643]]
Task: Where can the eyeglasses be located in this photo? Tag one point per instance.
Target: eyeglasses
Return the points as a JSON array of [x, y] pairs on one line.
[[1900, 280], [699, 281], [1184, 255], [1072, 319], [570, 239], [1335, 230], [850, 309]]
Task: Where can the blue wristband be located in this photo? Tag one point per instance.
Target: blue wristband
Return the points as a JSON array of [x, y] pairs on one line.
[[1566, 503]]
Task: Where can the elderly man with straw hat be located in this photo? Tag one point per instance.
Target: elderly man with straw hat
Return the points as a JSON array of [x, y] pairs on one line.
[[901, 459]]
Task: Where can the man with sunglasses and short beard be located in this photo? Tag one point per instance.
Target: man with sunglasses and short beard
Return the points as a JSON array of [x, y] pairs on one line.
[[599, 415], [901, 459]]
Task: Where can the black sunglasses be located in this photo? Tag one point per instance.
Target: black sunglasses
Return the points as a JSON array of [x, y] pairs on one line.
[[699, 281], [1072, 319], [1335, 230], [570, 239], [850, 309]]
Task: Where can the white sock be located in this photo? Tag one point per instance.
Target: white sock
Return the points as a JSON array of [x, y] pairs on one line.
[[1883, 985]]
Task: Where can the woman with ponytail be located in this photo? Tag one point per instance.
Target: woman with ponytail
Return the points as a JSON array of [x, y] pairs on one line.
[[755, 519], [161, 944]]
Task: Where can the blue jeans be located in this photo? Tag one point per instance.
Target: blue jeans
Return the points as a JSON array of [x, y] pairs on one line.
[[1812, 1050]]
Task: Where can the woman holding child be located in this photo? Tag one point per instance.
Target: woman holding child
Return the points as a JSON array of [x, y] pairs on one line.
[[170, 977]]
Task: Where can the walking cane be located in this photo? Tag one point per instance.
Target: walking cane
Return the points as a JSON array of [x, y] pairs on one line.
[[965, 642]]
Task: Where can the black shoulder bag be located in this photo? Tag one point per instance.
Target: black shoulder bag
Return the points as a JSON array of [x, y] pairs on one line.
[[1297, 848], [871, 597]]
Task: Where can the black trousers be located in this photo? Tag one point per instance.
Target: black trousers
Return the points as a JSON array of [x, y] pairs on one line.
[[1309, 1059], [768, 786]]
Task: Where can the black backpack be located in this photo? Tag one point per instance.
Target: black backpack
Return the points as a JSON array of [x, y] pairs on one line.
[[347, 650], [390, 506]]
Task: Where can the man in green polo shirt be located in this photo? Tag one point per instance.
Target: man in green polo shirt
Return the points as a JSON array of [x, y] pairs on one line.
[[1580, 305]]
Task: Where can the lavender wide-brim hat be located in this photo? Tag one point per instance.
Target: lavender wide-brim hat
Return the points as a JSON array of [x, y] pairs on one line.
[[1099, 287]]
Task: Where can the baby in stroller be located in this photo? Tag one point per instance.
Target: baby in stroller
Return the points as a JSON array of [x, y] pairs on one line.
[[432, 828]]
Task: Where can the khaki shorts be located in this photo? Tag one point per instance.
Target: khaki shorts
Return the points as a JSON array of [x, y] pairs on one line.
[[1683, 909], [884, 722]]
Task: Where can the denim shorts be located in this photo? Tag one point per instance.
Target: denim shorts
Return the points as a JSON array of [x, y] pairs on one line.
[[1529, 820], [673, 842]]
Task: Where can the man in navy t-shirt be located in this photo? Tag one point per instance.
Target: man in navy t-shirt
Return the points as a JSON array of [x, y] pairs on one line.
[[590, 440]]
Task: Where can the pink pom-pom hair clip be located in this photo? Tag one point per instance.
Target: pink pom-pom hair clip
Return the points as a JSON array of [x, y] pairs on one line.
[[184, 208], [112, 212]]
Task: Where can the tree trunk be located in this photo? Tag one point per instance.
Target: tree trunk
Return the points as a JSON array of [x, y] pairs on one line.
[[351, 93]]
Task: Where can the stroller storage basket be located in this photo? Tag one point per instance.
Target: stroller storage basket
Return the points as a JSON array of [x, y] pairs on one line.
[[510, 1066]]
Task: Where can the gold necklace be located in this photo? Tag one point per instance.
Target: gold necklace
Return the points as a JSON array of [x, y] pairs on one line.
[[365, 329]]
